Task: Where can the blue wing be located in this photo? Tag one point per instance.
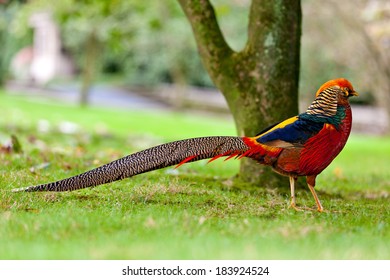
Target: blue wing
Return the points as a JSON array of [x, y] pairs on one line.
[[294, 131]]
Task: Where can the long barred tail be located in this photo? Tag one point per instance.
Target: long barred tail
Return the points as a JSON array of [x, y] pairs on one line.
[[158, 157]]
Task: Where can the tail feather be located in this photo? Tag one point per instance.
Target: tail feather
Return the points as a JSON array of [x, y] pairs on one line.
[[173, 153]]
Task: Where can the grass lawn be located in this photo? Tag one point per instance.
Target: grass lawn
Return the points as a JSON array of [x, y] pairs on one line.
[[195, 212]]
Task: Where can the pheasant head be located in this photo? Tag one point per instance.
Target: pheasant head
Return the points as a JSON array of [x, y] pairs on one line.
[[330, 96]]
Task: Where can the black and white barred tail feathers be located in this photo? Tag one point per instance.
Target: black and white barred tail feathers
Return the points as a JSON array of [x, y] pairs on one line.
[[158, 157]]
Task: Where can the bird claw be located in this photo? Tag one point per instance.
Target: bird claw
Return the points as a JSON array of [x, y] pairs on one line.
[[296, 208]]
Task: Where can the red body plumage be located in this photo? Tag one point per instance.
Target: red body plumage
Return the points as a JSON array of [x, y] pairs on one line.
[[305, 145]]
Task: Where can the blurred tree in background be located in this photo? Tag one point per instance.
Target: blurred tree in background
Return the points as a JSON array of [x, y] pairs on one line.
[[9, 44], [91, 30], [148, 43]]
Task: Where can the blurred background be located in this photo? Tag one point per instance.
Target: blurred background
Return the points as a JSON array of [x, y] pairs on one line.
[[142, 54]]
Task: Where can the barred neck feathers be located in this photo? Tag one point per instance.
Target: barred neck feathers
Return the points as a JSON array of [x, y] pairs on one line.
[[325, 105], [326, 108]]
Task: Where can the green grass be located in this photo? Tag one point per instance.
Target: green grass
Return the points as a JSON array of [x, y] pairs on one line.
[[199, 213]]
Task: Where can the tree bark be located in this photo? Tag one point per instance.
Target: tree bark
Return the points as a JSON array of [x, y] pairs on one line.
[[260, 83]]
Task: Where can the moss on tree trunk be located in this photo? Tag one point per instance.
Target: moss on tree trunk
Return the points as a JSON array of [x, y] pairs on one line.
[[260, 83]]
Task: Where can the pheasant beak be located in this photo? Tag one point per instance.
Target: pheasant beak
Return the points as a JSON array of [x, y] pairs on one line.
[[350, 93], [354, 93]]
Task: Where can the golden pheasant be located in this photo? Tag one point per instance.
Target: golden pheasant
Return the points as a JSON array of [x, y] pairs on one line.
[[303, 145]]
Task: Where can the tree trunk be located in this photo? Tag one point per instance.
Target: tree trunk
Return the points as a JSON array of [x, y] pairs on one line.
[[89, 67], [260, 83]]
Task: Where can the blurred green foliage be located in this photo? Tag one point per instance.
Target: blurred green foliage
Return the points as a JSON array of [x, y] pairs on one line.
[[148, 42]]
